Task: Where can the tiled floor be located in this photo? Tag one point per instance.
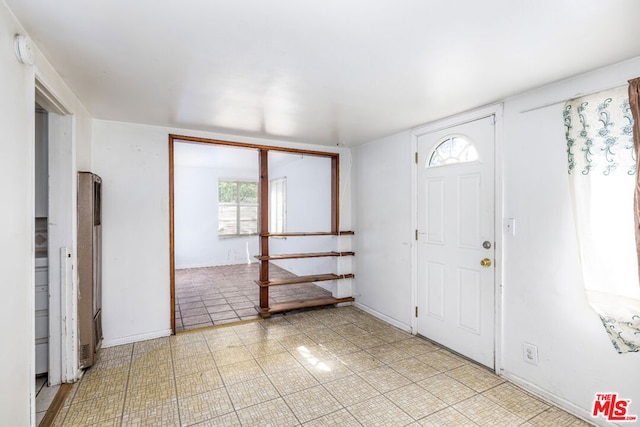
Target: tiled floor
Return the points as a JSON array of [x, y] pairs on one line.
[[44, 397], [216, 295], [329, 367]]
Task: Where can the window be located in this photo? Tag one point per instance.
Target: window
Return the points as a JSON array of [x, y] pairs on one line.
[[278, 205], [237, 208], [453, 149], [602, 168]]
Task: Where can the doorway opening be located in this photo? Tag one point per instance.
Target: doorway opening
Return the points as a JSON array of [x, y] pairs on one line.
[[224, 206]]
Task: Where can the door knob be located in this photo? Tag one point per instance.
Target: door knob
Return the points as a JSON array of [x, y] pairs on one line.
[[485, 262]]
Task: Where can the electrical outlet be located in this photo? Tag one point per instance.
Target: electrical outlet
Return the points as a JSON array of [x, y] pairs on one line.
[[530, 353]]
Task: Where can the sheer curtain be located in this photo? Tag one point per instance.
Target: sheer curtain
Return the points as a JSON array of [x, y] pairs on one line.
[[602, 166]]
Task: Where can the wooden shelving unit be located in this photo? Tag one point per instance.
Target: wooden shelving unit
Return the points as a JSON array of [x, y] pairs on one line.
[[265, 282]]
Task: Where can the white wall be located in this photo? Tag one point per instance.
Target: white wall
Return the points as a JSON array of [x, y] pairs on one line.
[[308, 207], [382, 200], [196, 218], [133, 162], [544, 302], [16, 227], [17, 128]]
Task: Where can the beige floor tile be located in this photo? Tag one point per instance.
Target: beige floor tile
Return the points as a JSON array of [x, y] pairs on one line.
[[379, 411], [360, 361], [125, 350], [192, 365], [147, 396], [206, 406], [351, 390], [92, 412], [158, 344], [484, 412], [414, 369], [553, 417], [415, 401], [340, 418], [388, 353], [191, 350], [442, 360], [265, 348], [165, 414], [226, 420], [447, 417], [475, 377], [231, 355], [322, 334], [92, 389], [274, 413], [292, 342], [278, 362], [384, 379], [241, 371], [446, 388], [515, 400], [293, 380], [197, 383], [340, 346], [252, 392], [312, 403], [326, 369], [236, 375]]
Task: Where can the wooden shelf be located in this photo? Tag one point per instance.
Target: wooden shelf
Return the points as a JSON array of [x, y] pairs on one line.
[[303, 279], [298, 304], [319, 233], [307, 255]]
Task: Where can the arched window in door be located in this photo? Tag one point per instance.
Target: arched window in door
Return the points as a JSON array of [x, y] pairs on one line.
[[453, 149]]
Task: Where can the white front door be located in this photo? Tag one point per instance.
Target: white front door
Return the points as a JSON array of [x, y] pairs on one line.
[[456, 242]]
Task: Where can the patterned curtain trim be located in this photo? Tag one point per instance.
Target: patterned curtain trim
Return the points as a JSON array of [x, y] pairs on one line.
[[599, 133], [621, 319]]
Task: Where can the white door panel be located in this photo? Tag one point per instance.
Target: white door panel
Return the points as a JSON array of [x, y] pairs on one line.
[[455, 217]]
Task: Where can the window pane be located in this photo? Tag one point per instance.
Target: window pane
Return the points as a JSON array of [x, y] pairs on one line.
[[453, 150], [227, 220], [227, 192], [248, 219], [248, 193]]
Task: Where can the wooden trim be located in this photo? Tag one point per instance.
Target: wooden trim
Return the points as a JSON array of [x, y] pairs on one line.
[[335, 194], [307, 255], [172, 253], [56, 405], [303, 303], [264, 225], [302, 279], [254, 146], [319, 233], [264, 208]]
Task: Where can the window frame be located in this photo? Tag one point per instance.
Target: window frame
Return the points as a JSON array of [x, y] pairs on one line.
[[238, 204]]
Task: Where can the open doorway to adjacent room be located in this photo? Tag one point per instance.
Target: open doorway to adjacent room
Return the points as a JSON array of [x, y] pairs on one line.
[[216, 224]]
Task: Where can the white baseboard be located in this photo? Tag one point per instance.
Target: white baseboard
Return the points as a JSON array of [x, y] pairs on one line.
[[383, 317], [135, 338], [561, 403]]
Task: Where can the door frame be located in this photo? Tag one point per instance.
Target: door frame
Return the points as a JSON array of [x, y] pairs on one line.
[[495, 110]]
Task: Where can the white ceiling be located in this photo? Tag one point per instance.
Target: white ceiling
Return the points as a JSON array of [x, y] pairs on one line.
[[325, 72]]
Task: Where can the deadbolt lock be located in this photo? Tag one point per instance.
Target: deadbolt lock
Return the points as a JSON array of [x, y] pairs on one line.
[[485, 262], [486, 244]]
